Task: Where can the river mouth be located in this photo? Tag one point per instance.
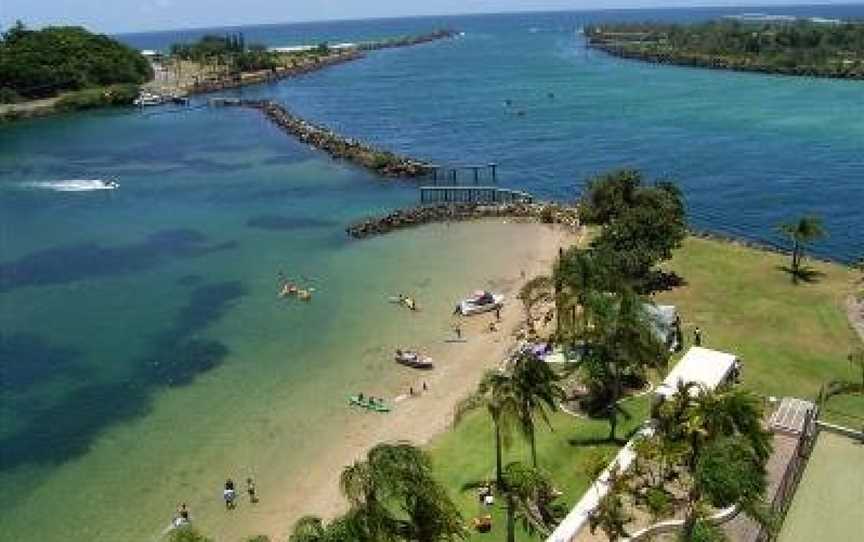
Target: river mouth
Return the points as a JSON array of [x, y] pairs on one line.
[[145, 354]]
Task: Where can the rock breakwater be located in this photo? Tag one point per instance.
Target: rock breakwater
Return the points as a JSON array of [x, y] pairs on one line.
[[380, 161], [550, 213]]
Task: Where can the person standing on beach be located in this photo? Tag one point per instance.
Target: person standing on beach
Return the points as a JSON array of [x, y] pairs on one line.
[[498, 313], [229, 494], [250, 489], [458, 331], [697, 336]]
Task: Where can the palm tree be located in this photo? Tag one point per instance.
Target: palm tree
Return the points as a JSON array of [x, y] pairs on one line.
[[800, 233], [535, 392], [536, 290], [394, 497], [497, 390], [530, 496], [726, 448], [622, 340], [581, 276]]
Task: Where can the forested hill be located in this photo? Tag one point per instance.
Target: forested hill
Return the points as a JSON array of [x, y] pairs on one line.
[[43, 63], [789, 47]]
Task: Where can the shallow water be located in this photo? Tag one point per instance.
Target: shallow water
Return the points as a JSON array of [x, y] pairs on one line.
[[144, 355]]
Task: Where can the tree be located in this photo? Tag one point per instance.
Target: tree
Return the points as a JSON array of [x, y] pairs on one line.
[[393, 497], [531, 498], [535, 393], [533, 292], [622, 343], [642, 223], [501, 403], [800, 233], [726, 449]]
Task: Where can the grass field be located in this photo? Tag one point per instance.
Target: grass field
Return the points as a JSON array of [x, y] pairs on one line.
[[467, 454], [791, 338], [832, 487]]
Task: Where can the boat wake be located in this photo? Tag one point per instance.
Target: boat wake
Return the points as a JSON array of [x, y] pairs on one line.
[[74, 185]]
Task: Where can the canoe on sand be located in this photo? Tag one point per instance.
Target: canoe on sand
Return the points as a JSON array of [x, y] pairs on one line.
[[377, 405]]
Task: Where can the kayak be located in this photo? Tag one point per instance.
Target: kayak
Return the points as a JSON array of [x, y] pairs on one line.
[[377, 406]]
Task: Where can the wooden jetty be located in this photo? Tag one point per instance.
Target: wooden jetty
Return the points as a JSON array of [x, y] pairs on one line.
[[472, 194]]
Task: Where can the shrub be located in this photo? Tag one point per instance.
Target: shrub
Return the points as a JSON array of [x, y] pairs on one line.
[[187, 534], [658, 502]]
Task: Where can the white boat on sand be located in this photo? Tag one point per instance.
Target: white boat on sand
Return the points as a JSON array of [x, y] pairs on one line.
[[480, 301], [413, 359]]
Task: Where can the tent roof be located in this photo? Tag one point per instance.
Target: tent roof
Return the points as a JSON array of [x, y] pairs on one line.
[[701, 366]]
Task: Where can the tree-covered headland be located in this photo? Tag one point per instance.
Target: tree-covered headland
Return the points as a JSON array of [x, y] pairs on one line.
[[58, 59], [832, 49]]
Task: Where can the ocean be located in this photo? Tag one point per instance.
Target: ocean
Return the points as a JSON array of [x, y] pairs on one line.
[[143, 352]]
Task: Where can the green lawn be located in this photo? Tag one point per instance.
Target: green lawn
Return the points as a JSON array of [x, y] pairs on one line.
[[832, 487], [791, 339], [467, 453]]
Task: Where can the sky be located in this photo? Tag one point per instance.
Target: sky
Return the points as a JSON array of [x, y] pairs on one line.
[[116, 16]]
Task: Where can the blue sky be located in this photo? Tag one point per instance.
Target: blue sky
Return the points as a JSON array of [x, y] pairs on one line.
[[135, 15]]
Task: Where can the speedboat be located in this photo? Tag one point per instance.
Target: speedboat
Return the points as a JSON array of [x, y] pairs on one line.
[[413, 359], [480, 301], [148, 98], [110, 185]]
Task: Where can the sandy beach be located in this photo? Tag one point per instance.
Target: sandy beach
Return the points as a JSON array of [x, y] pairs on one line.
[[459, 367]]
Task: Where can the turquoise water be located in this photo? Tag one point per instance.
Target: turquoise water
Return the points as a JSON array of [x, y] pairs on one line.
[[143, 352]]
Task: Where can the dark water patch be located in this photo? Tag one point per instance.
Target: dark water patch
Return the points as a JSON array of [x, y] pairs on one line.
[[287, 223], [206, 305], [180, 366], [65, 429], [72, 263], [190, 280], [27, 360]]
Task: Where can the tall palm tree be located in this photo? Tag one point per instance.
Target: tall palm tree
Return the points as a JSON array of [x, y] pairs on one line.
[[498, 392], [536, 393], [800, 233], [622, 341], [530, 496]]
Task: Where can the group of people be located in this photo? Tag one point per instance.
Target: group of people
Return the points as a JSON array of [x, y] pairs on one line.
[[230, 493]]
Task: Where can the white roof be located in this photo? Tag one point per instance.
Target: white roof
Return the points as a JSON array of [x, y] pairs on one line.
[[150, 52], [701, 366]]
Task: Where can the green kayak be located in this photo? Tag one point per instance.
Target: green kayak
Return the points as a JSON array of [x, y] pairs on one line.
[[377, 405]]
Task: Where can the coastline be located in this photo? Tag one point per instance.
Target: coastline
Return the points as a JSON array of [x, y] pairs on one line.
[[418, 419], [713, 62]]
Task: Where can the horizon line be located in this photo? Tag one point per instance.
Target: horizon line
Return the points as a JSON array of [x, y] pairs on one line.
[[473, 13]]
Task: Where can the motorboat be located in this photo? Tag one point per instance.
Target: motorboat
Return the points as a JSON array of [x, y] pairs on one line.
[[480, 301], [148, 98], [413, 359]]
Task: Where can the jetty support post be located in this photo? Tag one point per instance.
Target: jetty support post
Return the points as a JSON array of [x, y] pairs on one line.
[[492, 167]]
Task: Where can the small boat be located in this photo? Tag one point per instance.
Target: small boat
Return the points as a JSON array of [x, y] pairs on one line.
[[481, 301], [413, 359], [111, 185], [376, 405], [148, 98]]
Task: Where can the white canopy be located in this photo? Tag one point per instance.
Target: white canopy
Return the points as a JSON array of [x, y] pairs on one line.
[[701, 366]]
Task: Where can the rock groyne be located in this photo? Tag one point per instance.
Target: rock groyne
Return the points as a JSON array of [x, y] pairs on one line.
[[549, 213], [337, 146]]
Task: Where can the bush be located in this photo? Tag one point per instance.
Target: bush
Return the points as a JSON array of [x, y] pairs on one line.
[[41, 63], [658, 502], [98, 97], [9, 96], [187, 534]]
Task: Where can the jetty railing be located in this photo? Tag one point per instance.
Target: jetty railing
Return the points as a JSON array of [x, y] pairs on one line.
[[472, 194]]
